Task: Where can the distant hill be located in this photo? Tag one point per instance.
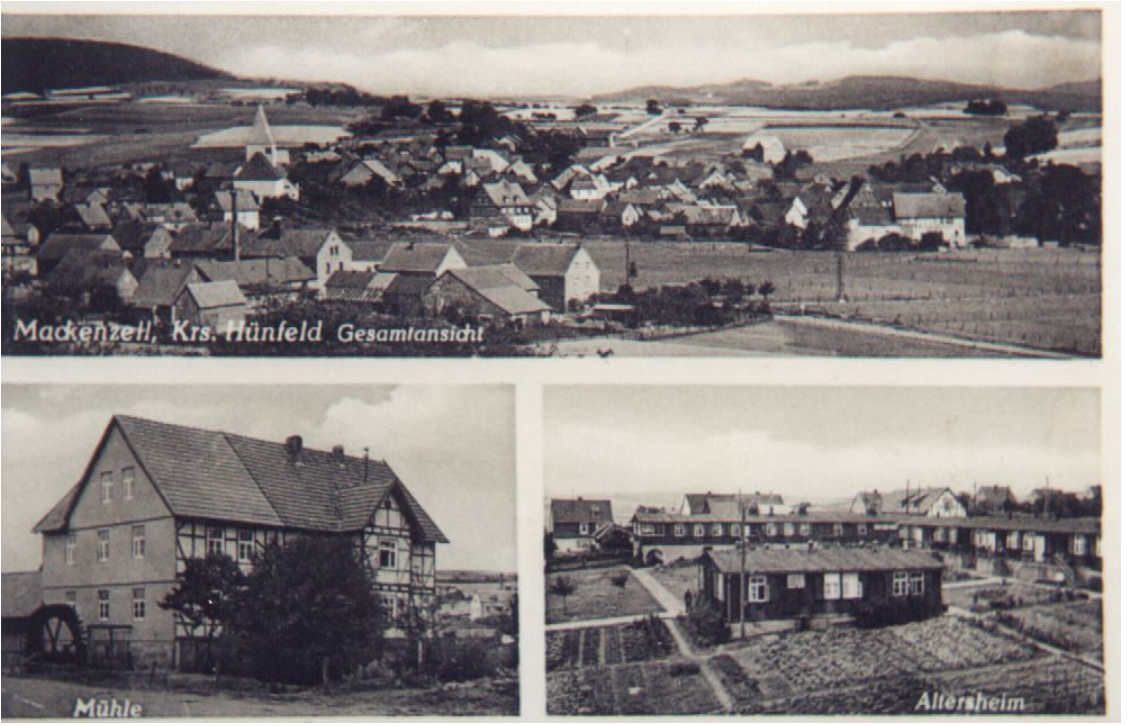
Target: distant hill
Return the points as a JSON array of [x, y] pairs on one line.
[[876, 92], [36, 64]]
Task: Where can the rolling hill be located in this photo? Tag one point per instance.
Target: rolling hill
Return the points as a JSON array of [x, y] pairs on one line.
[[36, 64], [877, 92]]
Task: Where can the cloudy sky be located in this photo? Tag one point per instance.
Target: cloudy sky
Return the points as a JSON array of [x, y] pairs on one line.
[[511, 56], [815, 444], [452, 446]]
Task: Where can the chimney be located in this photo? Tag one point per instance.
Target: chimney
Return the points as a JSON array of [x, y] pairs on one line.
[[293, 449], [338, 454], [365, 464]]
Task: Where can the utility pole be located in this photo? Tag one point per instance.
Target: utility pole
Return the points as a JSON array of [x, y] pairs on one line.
[[743, 564], [841, 277], [628, 263]]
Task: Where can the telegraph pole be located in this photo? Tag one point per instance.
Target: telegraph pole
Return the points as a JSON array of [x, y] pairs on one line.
[[841, 277], [743, 563]]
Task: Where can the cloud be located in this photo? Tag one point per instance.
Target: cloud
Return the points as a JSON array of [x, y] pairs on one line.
[[1012, 58]]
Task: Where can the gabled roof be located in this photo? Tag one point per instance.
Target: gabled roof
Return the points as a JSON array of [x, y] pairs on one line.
[[724, 503], [227, 477], [58, 244], [415, 256], [245, 201], [369, 250], [259, 168], [996, 495], [23, 593], [506, 194], [837, 559], [916, 206], [225, 293], [134, 234], [89, 268], [573, 511], [500, 289], [93, 215], [258, 273], [203, 240], [160, 285], [545, 260], [303, 243], [1073, 525]]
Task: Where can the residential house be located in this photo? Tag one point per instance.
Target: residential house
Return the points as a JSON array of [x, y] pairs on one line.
[[93, 217], [993, 500], [489, 293], [154, 495], [160, 284], [827, 582], [941, 213], [365, 287], [728, 504], [140, 240], [500, 206], [58, 244], [566, 273], [214, 305], [240, 204], [416, 266], [212, 242], [580, 215], [44, 183], [574, 522], [87, 273], [265, 180], [365, 170], [929, 502], [322, 250], [261, 280]]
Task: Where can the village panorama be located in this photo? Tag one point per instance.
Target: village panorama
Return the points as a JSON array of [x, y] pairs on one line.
[[156, 205]]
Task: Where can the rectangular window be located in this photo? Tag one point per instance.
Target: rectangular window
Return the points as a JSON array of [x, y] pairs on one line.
[[788, 529], [387, 554], [103, 605], [647, 528], [720, 586], [582, 528], [138, 541], [1027, 541], [940, 534], [107, 487], [900, 586], [917, 583], [127, 481], [804, 529], [1013, 540], [862, 529], [757, 590], [1079, 545], [831, 586], [215, 540], [390, 605], [71, 546], [70, 597], [771, 529], [851, 585], [678, 530], [839, 529], [138, 603], [796, 582], [246, 545], [103, 545], [698, 530], [735, 530], [717, 530]]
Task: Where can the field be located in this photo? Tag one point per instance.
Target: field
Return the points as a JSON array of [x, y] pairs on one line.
[[657, 687], [596, 597], [677, 579], [646, 639], [1020, 594]]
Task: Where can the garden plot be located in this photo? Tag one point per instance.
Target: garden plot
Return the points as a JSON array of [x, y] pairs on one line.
[[952, 643], [1012, 594], [677, 579], [659, 687], [596, 597], [646, 639], [1056, 685], [1073, 626]]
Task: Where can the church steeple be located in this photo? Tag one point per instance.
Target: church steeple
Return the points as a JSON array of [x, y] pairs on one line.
[[260, 140]]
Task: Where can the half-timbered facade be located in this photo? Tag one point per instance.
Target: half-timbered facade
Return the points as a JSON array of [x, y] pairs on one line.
[[155, 495]]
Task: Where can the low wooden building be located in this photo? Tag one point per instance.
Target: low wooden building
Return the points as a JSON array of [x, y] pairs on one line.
[[792, 583]]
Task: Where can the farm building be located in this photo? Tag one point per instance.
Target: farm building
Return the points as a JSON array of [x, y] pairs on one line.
[[159, 287], [574, 522], [493, 292], [834, 581], [88, 273], [566, 274], [942, 213], [356, 286], [154, 495], [261, 280], [662, 536], [214, 305]]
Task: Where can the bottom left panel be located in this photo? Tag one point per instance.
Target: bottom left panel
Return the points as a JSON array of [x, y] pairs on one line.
[[249, 551]]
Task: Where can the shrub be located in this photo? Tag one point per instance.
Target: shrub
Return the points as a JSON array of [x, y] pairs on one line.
[[706, 625], [684, 669], [454, 660]]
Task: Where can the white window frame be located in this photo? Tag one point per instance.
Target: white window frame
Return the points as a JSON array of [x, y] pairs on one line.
[[215, 540], [107, 487], [138, 604], [103, 605], [940, 534], [678, 530], [70, 548], [698, 530], [583, 528], [1079, 545], [852, 588], [918, 583], [70, 599], [244, 548], [788, 529], [720, 594], [770, 529], [735, 529], [129, 481], [901, 584], [1013, 540], [804, 529], [831, 586], [862, 528], [796, 581], [717, 530], [758, 590], [103, 545], [390, 604], [839, 529], [138, 538], [1027, 540]]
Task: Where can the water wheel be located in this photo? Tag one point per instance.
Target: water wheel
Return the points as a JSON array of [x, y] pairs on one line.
[[57, 635]]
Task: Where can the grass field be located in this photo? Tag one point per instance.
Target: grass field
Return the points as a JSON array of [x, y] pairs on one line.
[[677, 579], [596, 597]]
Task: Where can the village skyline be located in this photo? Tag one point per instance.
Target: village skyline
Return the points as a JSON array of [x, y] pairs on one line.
[[50, 433], [580, 56], [725, 440]]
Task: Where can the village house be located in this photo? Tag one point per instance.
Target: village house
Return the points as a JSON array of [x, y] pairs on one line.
[[663, 536], [416, 265], [58, 244], [574, 522], [241, 205], [729, 504], [365, 170], [44, 183], [364, 287], [993, 500], [206, 242], [487, 293], [139, 240], [567, 274], [159, 286], [830, 582], [500, 206], [277, 280], [214, 305], [154, 495], [932, 213], [321, 250], [265, 180], [929, 502]]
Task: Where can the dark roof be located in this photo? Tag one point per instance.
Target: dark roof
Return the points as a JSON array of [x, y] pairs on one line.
[[996, 495], [259, 168], [836, 559], [544, 260], [23, 593], [89, 268], [245, 200], [227, 477], [263, 272], [350, 278], [368, 249], [572, 511], [732, 515], [133, 235], [415, 256], [58, 245], [916, 206], [1075, 525], [160, 284], [203, 240], [303, 243]]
